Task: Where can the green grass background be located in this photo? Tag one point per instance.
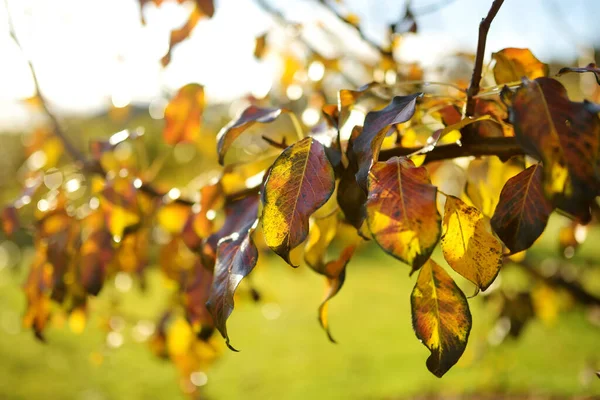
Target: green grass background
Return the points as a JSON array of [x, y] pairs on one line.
[[289, 357]]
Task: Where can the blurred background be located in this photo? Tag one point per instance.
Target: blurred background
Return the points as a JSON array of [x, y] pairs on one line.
[[101, 67]]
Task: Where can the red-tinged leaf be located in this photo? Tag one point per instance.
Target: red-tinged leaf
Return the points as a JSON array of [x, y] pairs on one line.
[[591, 67], [300, 181], [523, 211], [198, 225], [236, 257], [497, 127], [402, 212], [183, 115], [10, 220], [468, 244], [37, 289], [377, 123], [513, 64], [441, 317], [251, 115], [565, 136]]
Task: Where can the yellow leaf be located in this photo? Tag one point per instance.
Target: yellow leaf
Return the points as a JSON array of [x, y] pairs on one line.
[[513, 64], [468, 245]]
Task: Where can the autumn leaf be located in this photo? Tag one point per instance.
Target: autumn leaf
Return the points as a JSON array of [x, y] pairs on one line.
[[260, 45], [183, 115], [322, 232], [512, 64], [236, 257], [300, 181], [377, 123], [565, 136], [485, 179], [468, 245], [251, 115], [523, 210], [591, 67], [441, 317], [401, 211], [350, 197], [195, 295]]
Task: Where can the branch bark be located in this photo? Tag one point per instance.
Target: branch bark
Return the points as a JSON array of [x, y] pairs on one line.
[[503, 147], [484, 27]]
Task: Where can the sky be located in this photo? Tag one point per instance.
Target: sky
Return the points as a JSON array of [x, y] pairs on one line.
[[91, 53]]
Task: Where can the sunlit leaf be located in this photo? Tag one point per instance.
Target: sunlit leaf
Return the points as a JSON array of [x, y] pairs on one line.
[[377, 123], [523, 210], [591, 67], [468, 245], [441, 317], [402, 212], [485, 179], [183, 115], [300, 181], [565, 135], [251, 115], [236, 257], [260, 45], [512, 64]]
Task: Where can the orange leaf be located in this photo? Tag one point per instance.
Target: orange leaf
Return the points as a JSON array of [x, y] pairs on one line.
[[513, 64], [402, 212], [183, 115]]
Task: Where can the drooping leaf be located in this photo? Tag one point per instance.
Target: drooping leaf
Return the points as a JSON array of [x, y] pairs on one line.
[[565, 136], [468, 245], [523, 211], [402, 212], [236, 257], [591, 67], [512, 64], [251, 115], [300, 181], [183, 115], [377, 123], [322, 233], [195, 295], [441, 317]]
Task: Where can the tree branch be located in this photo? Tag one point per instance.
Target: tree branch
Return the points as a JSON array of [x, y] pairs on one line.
[[90, 166], [58, 130], [387, 53], [503, 147], [484, 27]]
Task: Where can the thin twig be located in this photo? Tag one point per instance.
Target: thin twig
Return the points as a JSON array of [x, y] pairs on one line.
[[90, 166], [484, 27], [386, 53], [58, 130]]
